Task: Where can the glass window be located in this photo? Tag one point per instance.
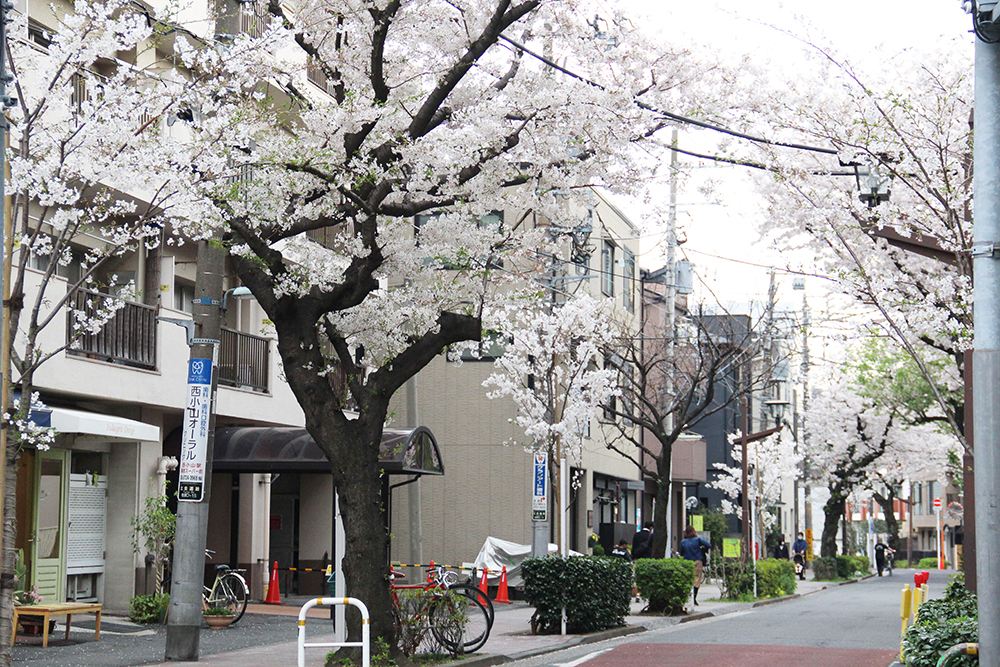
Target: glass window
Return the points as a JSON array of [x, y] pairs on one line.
[[184, 297], [628, 282], [608, 269]]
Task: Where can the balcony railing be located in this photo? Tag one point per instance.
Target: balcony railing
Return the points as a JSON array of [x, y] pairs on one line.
[[128, 338], [243, 360]]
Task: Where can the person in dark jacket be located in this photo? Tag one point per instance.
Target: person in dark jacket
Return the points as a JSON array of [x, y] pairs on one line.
[[799, 547], [642, 543], [621, 551], [694, 548], [781, 551]]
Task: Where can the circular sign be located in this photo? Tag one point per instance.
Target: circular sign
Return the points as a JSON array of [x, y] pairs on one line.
[[937, 503]]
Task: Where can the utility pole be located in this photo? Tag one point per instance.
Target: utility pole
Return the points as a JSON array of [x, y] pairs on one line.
[[986, 354], [198, 443], [669, 297]]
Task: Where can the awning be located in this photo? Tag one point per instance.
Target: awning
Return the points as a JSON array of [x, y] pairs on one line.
[[106, 427], [281, 449]]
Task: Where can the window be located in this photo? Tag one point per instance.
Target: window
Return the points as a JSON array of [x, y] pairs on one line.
[[69, 267], [612, 405], [488, 349], [184, 297], [629, 280], [608, 268]]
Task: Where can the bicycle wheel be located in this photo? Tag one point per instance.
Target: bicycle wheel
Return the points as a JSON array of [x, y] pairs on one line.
[[232, 592], [460, 623], [472, 592]]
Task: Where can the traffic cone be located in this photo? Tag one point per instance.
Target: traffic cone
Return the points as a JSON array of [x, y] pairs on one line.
[[273, 594], [483, 587], [430, 579], [502, 589]]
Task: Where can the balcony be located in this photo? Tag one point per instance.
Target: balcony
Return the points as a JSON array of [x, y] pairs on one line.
[[243, 360], [128, 338]]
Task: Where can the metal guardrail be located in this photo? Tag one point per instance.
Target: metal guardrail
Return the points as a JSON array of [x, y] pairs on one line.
[[365, 642]]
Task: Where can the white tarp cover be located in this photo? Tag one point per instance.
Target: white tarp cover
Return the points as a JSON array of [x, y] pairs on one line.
[[497, 554]]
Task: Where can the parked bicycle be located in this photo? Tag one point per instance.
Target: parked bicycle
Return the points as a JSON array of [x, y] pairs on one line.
[[451, 613], [228, 591]]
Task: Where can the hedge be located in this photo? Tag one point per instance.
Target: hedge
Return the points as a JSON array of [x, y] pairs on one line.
[[942, 623], [775, 578], [824, 568], [666, 583], [595, 591]]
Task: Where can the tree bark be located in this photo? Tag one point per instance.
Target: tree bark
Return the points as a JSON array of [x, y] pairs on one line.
[[887, 503], [661, 518], [833, 510]]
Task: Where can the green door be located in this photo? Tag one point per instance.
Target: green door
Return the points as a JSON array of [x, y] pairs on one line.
[[49, 531]]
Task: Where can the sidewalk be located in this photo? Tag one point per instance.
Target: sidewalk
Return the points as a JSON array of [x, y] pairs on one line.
[[510, 638]]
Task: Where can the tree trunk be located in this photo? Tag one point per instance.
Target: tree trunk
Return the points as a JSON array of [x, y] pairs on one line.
[[833, 510], [8, 556], [661, 516], [887, 503]]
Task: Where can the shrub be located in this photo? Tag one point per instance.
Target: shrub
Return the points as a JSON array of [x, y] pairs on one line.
[[775, 578], [824, 568], [737, 579], [594, 590], [928, 564], [862, 564], [845, 566], [942, 623], [666, 583], [148, 608]]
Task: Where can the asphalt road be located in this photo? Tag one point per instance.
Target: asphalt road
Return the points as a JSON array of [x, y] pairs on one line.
[[856, 625]]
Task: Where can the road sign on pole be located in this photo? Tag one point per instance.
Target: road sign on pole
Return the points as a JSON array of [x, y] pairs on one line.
[[539, 493], [937, 503]]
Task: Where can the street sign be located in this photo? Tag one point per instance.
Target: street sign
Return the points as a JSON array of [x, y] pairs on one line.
[[539, 487], [937, 503], [194, 442]]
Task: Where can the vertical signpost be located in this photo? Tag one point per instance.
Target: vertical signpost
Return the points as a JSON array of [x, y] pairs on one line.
[[194, 445], [540, 505], [940, 534]]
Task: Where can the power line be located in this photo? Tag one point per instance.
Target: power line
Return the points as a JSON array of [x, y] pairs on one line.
[[672, 116]]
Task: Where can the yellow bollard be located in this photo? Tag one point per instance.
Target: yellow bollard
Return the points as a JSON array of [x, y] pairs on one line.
[[905, 610], [918, 599]]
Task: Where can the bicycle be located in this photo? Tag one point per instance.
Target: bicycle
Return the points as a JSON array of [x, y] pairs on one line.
[[452, 612], [228, 591]]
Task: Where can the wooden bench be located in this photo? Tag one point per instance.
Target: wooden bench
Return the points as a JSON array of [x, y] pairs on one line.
[[48, 611]]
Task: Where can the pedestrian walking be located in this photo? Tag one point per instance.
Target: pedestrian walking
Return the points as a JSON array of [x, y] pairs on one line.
[[694, 548], [781, 550], [799, 548], [642, 542], [882, 552]]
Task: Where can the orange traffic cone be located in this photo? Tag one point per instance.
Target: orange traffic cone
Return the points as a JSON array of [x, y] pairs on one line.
[[483, 587], [430, 578], [273, 594], [502, 589]]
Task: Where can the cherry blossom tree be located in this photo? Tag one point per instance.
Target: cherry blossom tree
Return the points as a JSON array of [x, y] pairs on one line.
[[553, 369], [78, 161], [852, 437], [772, 461]]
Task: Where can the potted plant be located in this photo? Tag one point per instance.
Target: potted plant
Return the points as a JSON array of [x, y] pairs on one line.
[[218, 617]]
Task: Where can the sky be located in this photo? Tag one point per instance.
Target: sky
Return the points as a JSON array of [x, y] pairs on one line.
[[721, 237]]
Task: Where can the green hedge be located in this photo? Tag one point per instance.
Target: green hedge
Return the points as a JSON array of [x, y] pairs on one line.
[[775, 578], [862, 564], [595, 591], [736, 578], [666, 583], [929, 563], [941, 624]]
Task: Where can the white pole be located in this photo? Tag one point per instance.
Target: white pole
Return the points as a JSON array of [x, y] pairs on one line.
[[940, 541], [563, 547]]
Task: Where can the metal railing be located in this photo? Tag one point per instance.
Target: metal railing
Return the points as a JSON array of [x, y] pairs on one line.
[[243, 360], [128, 338], [364, 644]]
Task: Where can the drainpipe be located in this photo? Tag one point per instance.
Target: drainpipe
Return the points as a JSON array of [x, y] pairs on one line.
[[164, 464]]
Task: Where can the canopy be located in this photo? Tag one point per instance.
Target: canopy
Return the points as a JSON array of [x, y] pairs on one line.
[[283, 449]]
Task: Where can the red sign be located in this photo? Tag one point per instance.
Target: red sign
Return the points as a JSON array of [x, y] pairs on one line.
[[937, 503]]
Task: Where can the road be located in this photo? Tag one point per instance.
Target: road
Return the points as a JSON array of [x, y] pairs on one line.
[[848, 626]]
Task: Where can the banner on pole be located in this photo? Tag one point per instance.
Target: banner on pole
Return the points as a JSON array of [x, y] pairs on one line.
[[194, 442], [539, 486]]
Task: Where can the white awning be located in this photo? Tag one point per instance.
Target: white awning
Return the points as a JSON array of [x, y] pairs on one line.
[[106, 427]]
